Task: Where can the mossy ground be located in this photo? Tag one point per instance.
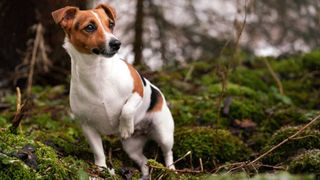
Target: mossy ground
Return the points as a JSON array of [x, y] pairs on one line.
[[220, 127]]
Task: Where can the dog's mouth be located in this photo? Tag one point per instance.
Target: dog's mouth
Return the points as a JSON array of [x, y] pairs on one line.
[[104, 52]]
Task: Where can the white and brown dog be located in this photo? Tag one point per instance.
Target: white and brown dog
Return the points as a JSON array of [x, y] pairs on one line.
[[108, 95]]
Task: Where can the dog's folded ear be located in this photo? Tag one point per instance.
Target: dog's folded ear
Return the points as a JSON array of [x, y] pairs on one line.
[[64, 15], [110, 11]]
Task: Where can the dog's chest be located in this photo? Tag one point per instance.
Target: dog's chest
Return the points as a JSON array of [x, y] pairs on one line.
[[98, 94]]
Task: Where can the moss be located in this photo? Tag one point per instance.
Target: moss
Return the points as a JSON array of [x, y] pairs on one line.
[[311, 60], [306, 162], [48, 163], [266, 176], [246, 109], [290, 68], [211, 145], [193, 110], [290, 115], [13, 168], [45, 121], [45, 163], [252, 79], [309, 139], [232, 90]]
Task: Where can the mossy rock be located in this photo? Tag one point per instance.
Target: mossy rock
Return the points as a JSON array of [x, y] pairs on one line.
[[308, 139], [211, 145], [306, 162], [22, 157], [14, 168], [45, 158]]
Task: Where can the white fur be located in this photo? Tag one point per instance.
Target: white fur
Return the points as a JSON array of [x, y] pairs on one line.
[[102, 98]]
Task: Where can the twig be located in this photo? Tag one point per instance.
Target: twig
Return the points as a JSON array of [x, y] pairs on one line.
[[273, 167], [240, 31], [175, 170], [33, 58], [19, 115], [189, 152], [189, 73], [18, 100], [216, 170], [284, 141], [18, 105], [201, 165], [274, 76]]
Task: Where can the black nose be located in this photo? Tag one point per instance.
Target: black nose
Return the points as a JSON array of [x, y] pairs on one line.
[[115, 44]]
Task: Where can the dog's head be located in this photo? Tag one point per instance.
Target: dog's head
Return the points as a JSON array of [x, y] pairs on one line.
[[90, 31]]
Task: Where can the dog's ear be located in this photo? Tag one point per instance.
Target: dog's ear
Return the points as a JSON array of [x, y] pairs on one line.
[[110, 11], [64, 16]]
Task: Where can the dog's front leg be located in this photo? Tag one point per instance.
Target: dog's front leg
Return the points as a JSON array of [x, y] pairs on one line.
[[95, 142], [126, 124]]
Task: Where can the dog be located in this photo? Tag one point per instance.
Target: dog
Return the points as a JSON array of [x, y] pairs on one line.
[[107, 95]]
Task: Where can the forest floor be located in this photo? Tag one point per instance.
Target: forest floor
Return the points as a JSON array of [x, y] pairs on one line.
[[225, 119]]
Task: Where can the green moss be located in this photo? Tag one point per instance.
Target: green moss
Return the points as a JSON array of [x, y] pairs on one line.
[[232, 90], [45, 121], [287, 116], [246, 109], [46, 164], [13, 168], [306, 162], [309, 139], [193, 110], [311, 60], [266, 176], [250, 78], [286, 69], [211, 145]]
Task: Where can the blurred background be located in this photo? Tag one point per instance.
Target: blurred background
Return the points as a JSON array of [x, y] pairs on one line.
[[240, 77], [158, 33]]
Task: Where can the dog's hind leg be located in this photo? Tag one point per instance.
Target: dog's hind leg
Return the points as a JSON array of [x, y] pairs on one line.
[[134, 148], [163, 134]]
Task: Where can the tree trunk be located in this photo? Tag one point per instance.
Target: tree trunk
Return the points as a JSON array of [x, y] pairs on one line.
[[138, 39]]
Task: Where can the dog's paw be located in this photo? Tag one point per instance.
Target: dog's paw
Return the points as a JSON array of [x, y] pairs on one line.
[[126, 130], [172, 167], [105, 169], [145, 177], [111, 171]]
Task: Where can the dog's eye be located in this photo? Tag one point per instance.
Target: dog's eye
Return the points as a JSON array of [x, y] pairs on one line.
[[90, 28], [111, 24]]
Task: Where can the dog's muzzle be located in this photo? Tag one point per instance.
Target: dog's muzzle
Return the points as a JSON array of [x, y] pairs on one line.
[[113, 47]]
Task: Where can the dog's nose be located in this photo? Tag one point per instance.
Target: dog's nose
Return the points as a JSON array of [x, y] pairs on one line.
[[115, 44]]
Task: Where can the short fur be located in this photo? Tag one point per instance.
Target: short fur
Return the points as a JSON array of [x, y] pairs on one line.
[[107, 95]]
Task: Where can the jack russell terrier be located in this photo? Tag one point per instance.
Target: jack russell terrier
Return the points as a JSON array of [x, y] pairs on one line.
[[107, 95]]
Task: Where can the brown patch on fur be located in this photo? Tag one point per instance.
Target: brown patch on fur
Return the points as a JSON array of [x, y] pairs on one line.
[[73, 21], [158, 106], [137, 82]]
